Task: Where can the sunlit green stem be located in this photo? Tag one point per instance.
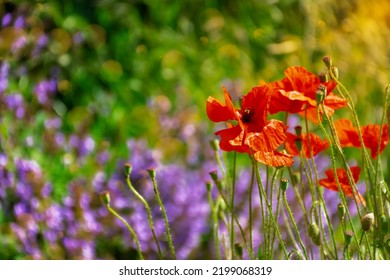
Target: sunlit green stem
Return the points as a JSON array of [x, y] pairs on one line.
[[148, 211], [232, 235], [152, 174], [214, 217], [334, 166], [218, 184], [269, 209], [131, 230], [294, 225]]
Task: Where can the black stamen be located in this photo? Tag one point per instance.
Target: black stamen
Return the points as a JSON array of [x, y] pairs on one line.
[[247, 115]]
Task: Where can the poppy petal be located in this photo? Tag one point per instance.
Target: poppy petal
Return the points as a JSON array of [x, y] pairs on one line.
[[231, 139], [257, 100], [371, 139], [270, 138], [274, 158]]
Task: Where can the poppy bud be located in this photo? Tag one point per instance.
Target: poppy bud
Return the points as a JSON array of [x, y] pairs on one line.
[[348, 237], [323, 77], [335, 71], [322, 88], [209, 186], [239, 250], [327, 60], [341, 211], [367, 221], [298, 130], [295, 255], [214, 144], [314, 233], [320, 96], [128, 169], [105, 196], [298, 143], [152, 173], [284, 184], [214, 175]]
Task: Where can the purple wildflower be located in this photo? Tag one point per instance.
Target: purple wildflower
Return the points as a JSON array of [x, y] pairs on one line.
[[15, 102], [45, 89]]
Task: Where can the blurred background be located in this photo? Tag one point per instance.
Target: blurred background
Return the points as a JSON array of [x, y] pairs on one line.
[[86, 86]]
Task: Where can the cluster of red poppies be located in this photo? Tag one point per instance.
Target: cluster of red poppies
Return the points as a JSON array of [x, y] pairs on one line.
[[250, 131]]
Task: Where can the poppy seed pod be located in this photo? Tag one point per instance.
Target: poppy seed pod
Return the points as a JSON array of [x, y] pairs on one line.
[[367, 221], [314, 233]]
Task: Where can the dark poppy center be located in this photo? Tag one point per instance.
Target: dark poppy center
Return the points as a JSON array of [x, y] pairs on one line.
[[247, 115]]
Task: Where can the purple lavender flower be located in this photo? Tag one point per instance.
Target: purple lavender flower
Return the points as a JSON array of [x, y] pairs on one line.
[[54, 123], [4, 68], [45, 89], [6, 20], [20, 22], [19, 43], [15, 102]]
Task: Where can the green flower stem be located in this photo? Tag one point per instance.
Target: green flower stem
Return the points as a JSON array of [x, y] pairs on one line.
[[214, 216], [149, 213], [298, 195], [369, 168], [250, 208], [276, 218], [312, 189], [271, 191], [219, 188], [333, 159], [294, 225], [152, 174], [269, 209], [131, 230], [377, 163], [232, 237]]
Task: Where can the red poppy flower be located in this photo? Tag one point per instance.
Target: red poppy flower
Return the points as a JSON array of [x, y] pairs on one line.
[[316, 143], [349, 136], [249, 131], [297, 92], [330, 182]]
